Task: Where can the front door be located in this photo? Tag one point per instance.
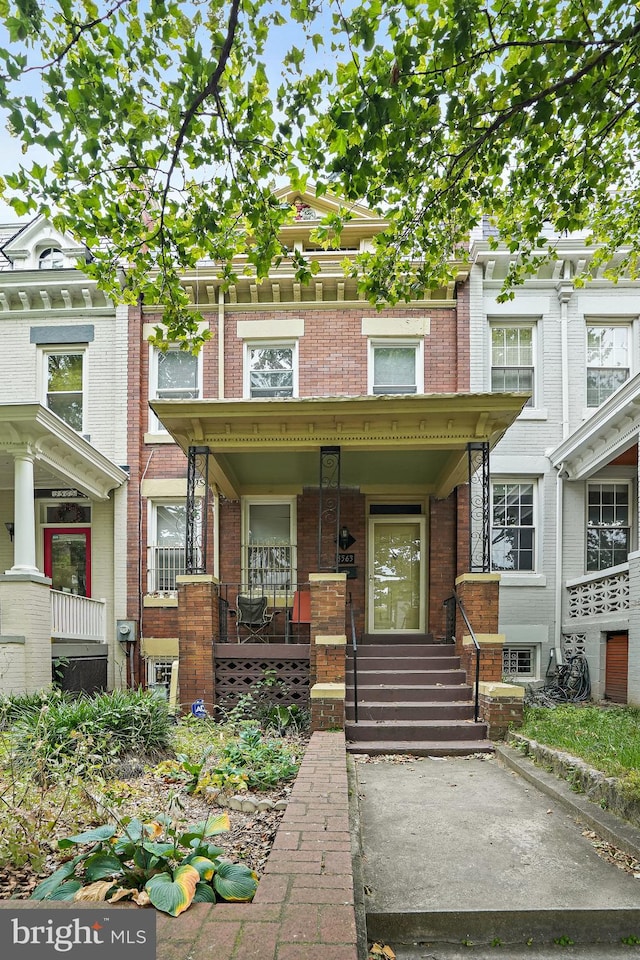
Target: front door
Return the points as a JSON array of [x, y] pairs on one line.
[[397, 574], [67, 559]]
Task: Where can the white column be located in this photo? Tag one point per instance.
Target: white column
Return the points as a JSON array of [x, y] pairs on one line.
[[24, 536]]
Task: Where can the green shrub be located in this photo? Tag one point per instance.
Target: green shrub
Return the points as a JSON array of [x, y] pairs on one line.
[[261, 763]]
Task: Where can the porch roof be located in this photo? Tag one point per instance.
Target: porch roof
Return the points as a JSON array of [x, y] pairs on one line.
[[609, 432], [416, 444], [61, 456]]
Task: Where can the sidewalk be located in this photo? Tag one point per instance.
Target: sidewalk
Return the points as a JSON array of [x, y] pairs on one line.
[[465, 852]]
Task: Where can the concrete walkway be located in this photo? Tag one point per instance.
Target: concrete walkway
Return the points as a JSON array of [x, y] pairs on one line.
[[464, 852]]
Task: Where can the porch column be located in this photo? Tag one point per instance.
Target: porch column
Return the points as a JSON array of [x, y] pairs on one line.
[[479, 595], [198, 626], [328, 650], [24, 535]]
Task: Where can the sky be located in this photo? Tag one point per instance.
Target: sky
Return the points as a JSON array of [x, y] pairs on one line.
[[290, 34]]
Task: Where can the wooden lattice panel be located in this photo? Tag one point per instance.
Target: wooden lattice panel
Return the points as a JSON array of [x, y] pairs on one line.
[[238, 667]]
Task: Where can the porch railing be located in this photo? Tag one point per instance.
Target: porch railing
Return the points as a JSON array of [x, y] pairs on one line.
[[77, 618], [354, 647], [453, 604], [604, 591], [164, 564], [288, 620]]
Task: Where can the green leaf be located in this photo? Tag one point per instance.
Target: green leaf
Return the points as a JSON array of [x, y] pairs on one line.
[[204, 893], [98, 834], [102, 865], [66, 891], [174, 894], [235, 882]]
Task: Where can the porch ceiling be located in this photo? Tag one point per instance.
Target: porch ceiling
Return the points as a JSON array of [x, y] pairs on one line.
[[413, 443], [61, 456]]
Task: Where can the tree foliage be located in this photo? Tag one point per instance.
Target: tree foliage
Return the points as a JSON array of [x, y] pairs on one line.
[[166, 125]]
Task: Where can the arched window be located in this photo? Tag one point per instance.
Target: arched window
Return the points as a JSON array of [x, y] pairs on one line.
[[51, 259]]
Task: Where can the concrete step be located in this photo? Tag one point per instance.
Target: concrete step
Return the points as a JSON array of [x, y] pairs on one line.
[[420, 692], [471, 930], [408, 730], [403, 649], [395, 638], [420, 748], [408, 662], [404, 710], [409, 678]]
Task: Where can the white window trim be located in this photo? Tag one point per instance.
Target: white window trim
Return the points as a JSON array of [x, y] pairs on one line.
[[617, 481], [416, 342], [248, 345], [155, 427], [64, 349], [631, 324], [248, 502], [152, 537], [523, 577], [536, 411], [534, 649]]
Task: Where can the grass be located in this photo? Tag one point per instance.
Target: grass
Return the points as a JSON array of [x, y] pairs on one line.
[[605, 738]]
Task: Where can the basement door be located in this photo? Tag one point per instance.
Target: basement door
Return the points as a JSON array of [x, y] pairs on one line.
[[617, 667], [397, 588]]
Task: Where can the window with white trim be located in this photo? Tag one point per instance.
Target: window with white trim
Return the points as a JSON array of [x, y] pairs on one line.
[[513, 529], [608, 524], [271, 369], [396, 366], [269, 544], [166, 544], [64, 385], [174, 374], [51, 258], [607, 360], [512, 358], [159, 672], [519, 662]]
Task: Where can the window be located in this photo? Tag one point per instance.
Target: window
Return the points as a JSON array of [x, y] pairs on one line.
[[271, 370], [269, 552], [607, 361], [395, 366], [167, 541], [513, 529], [519, 662], [51, 259], [512, 351], [608, 525], [64, 394], [175, 375], [159, 673]]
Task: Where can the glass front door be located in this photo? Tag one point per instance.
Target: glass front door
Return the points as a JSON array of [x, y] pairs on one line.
[[67, 560], [397, 580]]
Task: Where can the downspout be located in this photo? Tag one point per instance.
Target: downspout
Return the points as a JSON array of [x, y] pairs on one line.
[[558, 580], [220, 343], [565, 291]]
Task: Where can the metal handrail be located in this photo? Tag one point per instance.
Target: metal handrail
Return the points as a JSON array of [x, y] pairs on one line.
[[459, 604], [354, 644]]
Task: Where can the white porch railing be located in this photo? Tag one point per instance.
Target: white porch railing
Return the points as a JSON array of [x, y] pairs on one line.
[[164, 564], [77, 618], [605, 591]]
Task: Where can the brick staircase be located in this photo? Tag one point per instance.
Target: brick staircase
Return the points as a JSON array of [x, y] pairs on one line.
[[412, 698]]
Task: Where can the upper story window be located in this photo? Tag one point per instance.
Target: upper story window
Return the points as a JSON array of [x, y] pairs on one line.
[[512, 353], [513, 526], [51, 258], [396, 366], [64, 373], [607, 360], [175, 375], [608, 525], [271, 370]]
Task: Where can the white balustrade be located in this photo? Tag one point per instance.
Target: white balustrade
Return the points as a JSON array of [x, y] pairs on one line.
[[77, 618], [598, 593]]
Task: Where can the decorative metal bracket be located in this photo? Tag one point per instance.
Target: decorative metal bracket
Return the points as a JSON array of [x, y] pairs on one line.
[[329, 509], [197, 510], [479, 507]]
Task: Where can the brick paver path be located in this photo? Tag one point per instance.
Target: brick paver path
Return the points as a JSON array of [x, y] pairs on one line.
[[304, 906]]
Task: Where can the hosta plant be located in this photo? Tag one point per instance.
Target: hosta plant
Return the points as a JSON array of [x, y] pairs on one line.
[[159, 862]]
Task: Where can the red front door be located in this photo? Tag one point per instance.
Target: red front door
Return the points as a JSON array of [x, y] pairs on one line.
[[67, 559]]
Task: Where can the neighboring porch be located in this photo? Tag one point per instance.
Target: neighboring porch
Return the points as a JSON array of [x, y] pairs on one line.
[[53, 485]]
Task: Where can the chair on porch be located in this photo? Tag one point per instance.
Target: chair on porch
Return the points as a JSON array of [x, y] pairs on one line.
[[301, 610], [252, 614]]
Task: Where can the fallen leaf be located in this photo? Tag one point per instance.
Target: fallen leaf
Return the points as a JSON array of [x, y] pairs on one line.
[[94, 892], [121, 894]]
